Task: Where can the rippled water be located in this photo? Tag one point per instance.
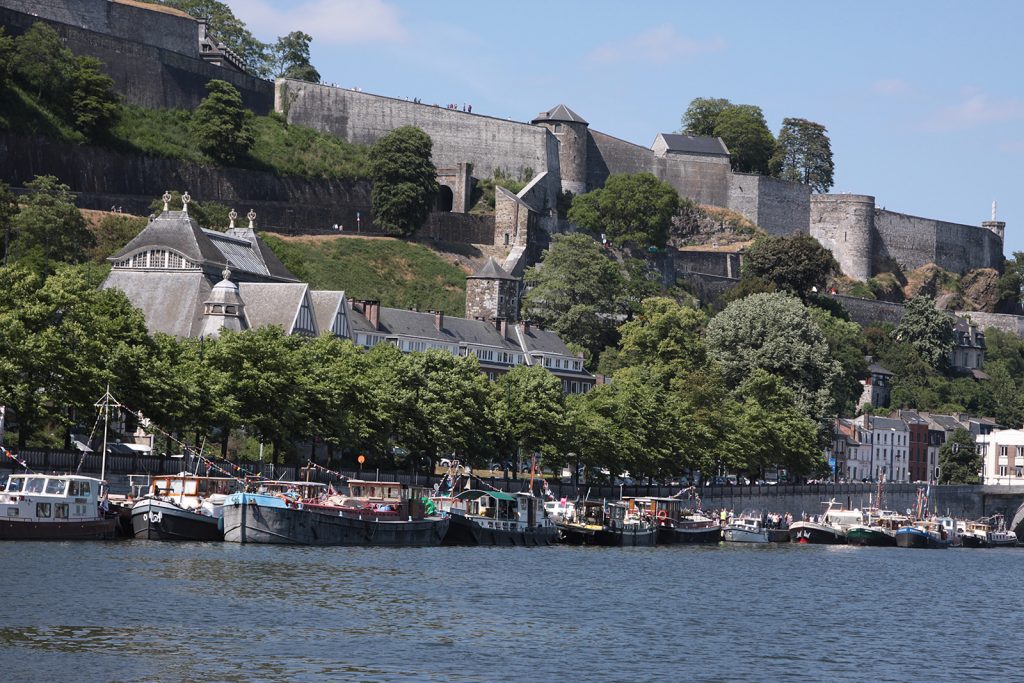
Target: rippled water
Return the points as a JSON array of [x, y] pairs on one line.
[[151, 611]]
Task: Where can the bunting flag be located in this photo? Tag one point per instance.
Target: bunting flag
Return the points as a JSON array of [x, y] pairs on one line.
[[16, 459], [323, 469]]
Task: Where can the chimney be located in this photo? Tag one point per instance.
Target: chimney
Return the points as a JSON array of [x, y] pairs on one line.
[[371, 309], [526, 327], [501, 325], [439, 320]]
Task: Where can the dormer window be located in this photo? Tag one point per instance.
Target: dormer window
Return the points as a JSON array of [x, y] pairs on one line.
[[229, 310]]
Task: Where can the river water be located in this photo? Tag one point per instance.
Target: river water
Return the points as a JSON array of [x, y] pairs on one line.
[[151, 611]]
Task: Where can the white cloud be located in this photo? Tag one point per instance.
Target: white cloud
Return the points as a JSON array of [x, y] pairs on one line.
[[333, 22], [891, 86], [659, 45], [975, 109]]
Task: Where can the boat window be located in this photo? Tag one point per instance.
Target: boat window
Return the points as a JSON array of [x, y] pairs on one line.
[[35, 485], [12, 512], [176, 486], [42, 509], [191, 487], [84, 488], [60, 510], [14, 484], [56, 486], [73, 488]]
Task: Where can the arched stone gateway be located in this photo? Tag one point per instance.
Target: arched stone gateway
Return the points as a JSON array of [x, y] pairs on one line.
[[445, 198]]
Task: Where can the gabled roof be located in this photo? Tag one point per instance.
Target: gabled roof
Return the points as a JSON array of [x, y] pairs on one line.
[[947, 422], [325, 307], [491, 271], [876, 369], [401, 322], [272, 303], [888, 423], [560, 113], [271, 263], [694, 144]]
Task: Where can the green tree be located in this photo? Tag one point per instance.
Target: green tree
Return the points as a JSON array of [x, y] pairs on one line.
[[42, 63], [794, 264], [529, 411], [634, 207], [225, 26], [1011, 284], [221, 125], [928, 330], [6, 58], [8, 211], [264, 387], [61, 341], [404, 180], [774, 432], [702, 115], [959, 460], [665, 337], [846, 344], [775, 332], [113, 232], [804, 154], [94, 104], [743, 130], [49, 228], [574, 291], [291, 57]]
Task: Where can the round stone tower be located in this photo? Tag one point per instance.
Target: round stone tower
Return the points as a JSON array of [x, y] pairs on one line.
[[492, 294], [845, 225], [573, 134]]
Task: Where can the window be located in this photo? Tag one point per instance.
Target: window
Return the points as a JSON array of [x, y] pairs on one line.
[[42, 509], [1019, 472], [55, 487], [13, 512], [1002, 451], [15, 484], [35, 485], [85, 487], [1002, 470], [60, 511], [174, 261]]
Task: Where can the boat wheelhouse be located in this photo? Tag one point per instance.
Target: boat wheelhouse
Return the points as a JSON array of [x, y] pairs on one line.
[[55, 507], [481, 517]]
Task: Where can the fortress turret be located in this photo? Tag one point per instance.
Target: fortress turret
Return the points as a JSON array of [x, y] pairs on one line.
[[997, 227], [572, 132], [845, 225], [491, 293]]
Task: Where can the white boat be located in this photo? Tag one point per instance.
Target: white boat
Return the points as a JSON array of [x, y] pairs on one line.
[[55, 507], [747, 528], [182, 507], [829, 527]]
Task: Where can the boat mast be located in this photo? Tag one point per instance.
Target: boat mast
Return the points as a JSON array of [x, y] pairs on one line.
[[106, 423]]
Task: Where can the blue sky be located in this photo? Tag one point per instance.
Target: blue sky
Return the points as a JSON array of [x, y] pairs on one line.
[[923, 101]]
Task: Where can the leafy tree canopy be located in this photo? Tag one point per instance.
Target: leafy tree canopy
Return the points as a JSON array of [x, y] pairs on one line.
[[665, 337], [94, 104], [959, 461], [49, 228], [291, 57], [221, 124], [8, 210], [226, 27], [702, 115], [794, 264], [928, 330], [41, 62], [804, 154], [629, 208], [743, 130], [775, 333], [404, 180]]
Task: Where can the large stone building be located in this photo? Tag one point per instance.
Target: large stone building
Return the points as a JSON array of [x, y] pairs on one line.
[[191, 282]]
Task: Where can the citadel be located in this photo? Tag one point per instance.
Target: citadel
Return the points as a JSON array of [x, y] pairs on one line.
[[159, 57]]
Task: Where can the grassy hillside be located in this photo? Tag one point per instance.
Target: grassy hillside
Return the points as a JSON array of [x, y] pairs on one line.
[[400, 274]]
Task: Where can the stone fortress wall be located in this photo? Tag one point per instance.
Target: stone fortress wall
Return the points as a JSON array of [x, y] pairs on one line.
[[152, 56]]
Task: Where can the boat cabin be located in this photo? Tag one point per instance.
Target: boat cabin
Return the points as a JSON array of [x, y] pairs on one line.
[[374, 491], [185, 484], [51, 498], [492, 504]]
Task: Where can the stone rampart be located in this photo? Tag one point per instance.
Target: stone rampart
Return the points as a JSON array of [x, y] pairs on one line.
[[455, 227], [912, 242], [704, 179], [102, 178], [707, 287], [866, 312], [148, 24], [780, 207], [1014, 324], [721, 263], [147, 75], [492, 145]]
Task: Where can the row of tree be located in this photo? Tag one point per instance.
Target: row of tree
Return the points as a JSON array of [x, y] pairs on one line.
[[802, 151]]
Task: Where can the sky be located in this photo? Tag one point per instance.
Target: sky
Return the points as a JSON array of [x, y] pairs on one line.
[[923, 101]]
